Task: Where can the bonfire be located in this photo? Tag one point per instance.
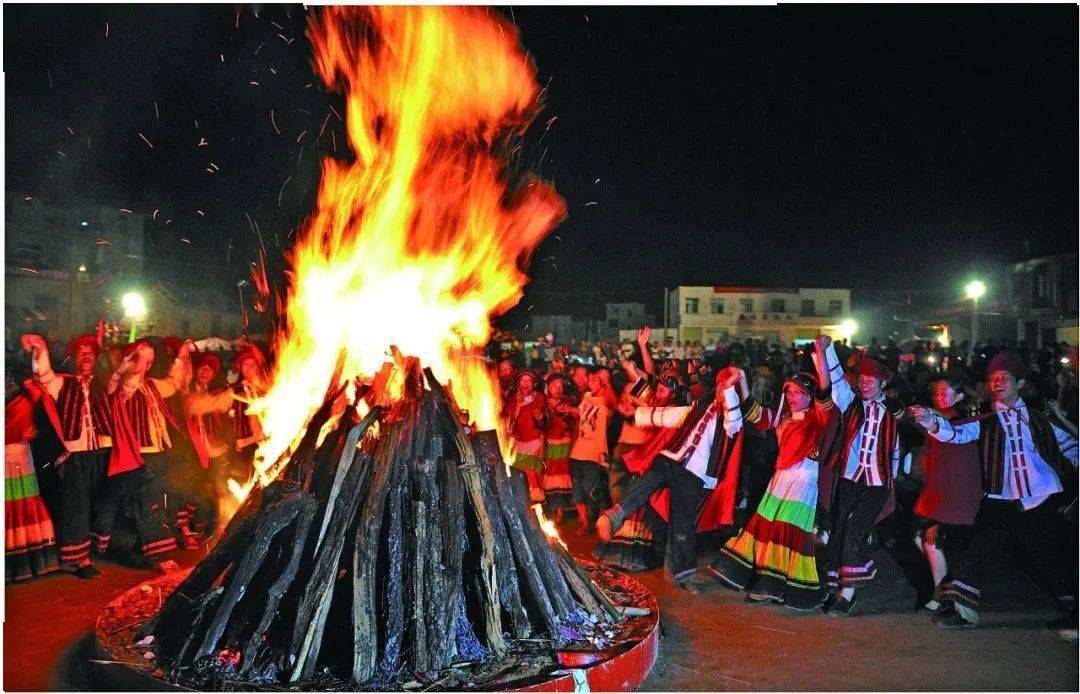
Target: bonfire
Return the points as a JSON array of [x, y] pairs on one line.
[[382, 538]]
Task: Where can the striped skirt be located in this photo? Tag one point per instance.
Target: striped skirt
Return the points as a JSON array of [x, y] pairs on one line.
[[29, 538], [773, 557], [528, 457], [558, 488]]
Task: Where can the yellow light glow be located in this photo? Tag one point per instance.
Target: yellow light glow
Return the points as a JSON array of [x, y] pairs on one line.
[[134, 305], [975, 289]]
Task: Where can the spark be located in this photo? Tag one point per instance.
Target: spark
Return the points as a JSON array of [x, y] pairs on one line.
[[28, 198], [216, 167], [280, 28], [282, 190], [333, 136], [209, 170], [70, 130], [255, 83], [168, 221], [102, 242], [31, 270], [49, 74], [222, 56], [559, 238], [196, 125], [149, 144], [551, 122], [157, 114], [99, 282], [274, 122], [201, 213], [283, 38], [61, 153], [336, 114], [301, 136], [203, 142], [260, 47], [106, 30], [185, 240], [154, 216], [273, 71], [237, 19], [324, 124], [124, 209], [596, 181], [591, 203]]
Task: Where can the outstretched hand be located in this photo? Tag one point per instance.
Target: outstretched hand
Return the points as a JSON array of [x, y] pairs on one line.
[[822, 342], [644, 335]]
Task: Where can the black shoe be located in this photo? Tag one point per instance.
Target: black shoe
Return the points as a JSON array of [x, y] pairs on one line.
[[684, 580], [830, 600], [757, 601], [841, 607], [722, 579], [87, 571]]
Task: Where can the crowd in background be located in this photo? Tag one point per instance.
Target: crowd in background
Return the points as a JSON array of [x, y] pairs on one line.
[[129, 448]]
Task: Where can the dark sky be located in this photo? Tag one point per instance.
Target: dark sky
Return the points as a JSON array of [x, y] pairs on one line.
[[870, 147]]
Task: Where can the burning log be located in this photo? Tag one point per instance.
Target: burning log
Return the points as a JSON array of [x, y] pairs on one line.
[[436, 537]]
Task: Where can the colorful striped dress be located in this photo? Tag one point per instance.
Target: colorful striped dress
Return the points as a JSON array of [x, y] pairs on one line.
[[557, 485], [29, 537], [773, 557], [528, 441]]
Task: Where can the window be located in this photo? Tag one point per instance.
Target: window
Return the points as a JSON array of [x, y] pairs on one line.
[[776, 306], [746, 305], [806, 308], [717, 306], [691, 306], [836, 307], [1043, 287]]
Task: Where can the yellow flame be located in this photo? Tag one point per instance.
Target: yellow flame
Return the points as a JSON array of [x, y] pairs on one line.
[[547, 525], [422, 238]]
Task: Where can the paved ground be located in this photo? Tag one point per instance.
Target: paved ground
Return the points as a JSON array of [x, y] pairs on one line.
[[711, 642]]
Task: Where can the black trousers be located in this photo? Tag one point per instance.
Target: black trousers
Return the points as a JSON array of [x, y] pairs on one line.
[[139, 493], [1047, 540], [687, 493], [590, 482], [854, 510], [81, 478]]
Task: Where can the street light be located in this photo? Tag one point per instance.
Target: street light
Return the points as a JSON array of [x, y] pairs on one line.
[[974, 291], [134, 308], [849, 328]]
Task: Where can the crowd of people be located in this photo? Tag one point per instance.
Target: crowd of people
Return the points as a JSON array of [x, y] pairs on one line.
[[806, 459], [126, 449], [803, 458]]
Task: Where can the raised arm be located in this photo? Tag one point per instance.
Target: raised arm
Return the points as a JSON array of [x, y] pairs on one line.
[[728, 380], [179, 373], [643, 336], [40, 363], [831, 374]]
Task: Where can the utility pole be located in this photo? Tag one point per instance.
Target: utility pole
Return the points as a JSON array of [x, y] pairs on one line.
[[667, 311]]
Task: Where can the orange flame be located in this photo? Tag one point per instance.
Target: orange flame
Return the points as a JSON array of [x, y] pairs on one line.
[[424, 237], [547, 525]]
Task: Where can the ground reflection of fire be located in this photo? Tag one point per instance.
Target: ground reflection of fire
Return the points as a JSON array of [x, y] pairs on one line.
[[425, 236]]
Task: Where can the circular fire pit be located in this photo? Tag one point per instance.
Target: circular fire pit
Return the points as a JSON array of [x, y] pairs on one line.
[[621, 663]]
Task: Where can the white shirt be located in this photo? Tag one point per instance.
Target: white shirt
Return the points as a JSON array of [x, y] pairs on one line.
[[861, 464], [698, 445], [1026, 476]]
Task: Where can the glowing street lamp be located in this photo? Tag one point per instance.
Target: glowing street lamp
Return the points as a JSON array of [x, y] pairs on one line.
[[974, 291], [134, 309], [849, 328]]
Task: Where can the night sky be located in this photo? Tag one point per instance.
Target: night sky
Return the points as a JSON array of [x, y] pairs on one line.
[[799, 145]]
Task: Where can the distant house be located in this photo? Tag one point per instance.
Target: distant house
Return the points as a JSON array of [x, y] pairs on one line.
[[1042, 296]]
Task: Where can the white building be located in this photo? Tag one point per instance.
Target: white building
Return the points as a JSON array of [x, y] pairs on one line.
[[768, 313]]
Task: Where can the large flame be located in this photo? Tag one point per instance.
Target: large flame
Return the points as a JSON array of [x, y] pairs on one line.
[[424, 237]]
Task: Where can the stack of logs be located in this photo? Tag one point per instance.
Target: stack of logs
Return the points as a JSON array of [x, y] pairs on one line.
[[376, 558]]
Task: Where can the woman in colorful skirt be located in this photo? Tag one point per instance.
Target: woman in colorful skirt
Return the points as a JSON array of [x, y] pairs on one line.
[[638, 544], [561, 419], [773, 557], [29, 538], [527, 427]]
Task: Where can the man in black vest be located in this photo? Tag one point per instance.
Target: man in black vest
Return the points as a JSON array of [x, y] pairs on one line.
[[1025, 458], [86, 431], [866, 463], [688, 466]]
